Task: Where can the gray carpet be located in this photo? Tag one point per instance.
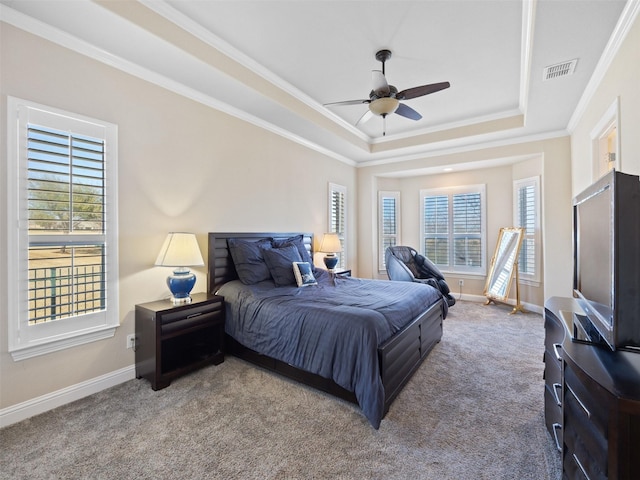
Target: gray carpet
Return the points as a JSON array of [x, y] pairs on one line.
[[474, 410]]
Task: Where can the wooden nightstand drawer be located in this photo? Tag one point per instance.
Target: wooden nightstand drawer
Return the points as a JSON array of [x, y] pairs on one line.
[[188, 311], [192, 321]]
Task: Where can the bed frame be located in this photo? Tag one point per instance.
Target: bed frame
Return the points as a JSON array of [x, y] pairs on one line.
[[399, 357]]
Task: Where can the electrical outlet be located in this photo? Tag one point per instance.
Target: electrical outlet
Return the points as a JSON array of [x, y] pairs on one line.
[[131, 341], [461, 283]]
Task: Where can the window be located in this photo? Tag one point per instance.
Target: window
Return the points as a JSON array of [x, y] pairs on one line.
[[453, 228], [526, 214], [338, 218], [388, 223], [63, 203]]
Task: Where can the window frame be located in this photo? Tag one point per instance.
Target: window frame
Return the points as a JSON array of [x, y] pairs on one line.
[[382, 195], [24, 340], [480, 271], [525, 277], [342, 190]]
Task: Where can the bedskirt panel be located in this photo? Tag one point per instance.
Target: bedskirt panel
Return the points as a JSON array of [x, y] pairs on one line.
[[430, 334], [407, 346], [401, 356]]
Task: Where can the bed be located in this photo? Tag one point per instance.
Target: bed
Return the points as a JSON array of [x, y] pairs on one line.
[[360, 340]]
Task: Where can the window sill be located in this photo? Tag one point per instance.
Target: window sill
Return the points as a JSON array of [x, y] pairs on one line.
[[30, 351]]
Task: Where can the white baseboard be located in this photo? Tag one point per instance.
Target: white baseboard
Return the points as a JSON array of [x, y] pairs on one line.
[[528, 307], [35, 406]]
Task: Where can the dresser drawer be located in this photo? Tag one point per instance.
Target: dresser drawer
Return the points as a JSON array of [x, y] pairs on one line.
[[581, 437], [554, 332], [577, 465], [589, 399], [553, 414], [552, 369]]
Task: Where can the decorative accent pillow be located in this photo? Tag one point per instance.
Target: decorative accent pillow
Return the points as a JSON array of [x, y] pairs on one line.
[[298, 241], [249, 260], [279, 262], [304, 274]]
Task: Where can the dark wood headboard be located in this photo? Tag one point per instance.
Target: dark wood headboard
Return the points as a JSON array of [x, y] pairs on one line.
[[221, 268]]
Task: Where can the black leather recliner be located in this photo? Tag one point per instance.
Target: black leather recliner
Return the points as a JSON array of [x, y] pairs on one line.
[[405, 264]]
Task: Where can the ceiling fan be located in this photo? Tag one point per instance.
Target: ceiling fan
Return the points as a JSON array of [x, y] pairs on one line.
[[384, 99]]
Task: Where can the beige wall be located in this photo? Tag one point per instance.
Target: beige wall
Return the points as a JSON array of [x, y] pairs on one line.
[[182, 166], [549, 159], [622, 81]]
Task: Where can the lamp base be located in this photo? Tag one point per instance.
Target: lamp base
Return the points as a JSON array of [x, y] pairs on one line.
[[331, 261], [181, 301], [181, 282]]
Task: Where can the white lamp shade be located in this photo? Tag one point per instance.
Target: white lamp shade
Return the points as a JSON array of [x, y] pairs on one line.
[[330, 243], [180, 250]]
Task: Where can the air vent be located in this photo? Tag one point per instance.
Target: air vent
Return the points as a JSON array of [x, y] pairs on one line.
[[559, 70]]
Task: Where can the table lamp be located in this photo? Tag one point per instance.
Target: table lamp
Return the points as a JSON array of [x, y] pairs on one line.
[[180, 250], [330, 245]]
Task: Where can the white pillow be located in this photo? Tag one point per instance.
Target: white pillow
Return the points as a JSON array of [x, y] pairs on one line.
[[304, 274]]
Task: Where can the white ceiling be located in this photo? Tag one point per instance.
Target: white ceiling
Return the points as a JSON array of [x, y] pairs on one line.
[[275, 63]]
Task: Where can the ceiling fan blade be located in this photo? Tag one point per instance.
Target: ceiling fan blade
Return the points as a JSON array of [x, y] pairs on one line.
[[408, 112], [347, 102], [366, 116], [422, 90], [380, 85]]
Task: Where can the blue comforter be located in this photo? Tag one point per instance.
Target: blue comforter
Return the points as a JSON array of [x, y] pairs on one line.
[[332, 329]]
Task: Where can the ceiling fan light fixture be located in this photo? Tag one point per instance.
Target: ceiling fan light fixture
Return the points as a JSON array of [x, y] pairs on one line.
[[384, 106]]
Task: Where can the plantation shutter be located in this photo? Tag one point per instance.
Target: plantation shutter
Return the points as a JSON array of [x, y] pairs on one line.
[[467, 230], [526, 216], [389, 224], [66, 182], [436, 229], [66, 224], [337, 218], [337, 212], [453, 228]]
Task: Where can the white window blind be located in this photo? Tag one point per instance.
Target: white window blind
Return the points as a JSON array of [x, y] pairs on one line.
[[453, 231], [389, 223], [338, 218], [467, 230], [65, 241], [526, 215], [436, 229]]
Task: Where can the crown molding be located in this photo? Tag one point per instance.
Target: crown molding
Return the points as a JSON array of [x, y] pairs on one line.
[[482, 142], [66, 40], [625, 22]]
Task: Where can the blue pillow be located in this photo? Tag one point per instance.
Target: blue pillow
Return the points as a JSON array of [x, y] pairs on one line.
[[304, 274], [280, 262], [249, 260], [298, 241]]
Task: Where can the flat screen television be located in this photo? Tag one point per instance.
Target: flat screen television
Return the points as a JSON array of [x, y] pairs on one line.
[[606, 248]]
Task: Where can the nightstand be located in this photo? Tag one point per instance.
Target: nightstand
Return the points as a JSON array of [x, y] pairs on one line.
[[172, 340], [342, 273]]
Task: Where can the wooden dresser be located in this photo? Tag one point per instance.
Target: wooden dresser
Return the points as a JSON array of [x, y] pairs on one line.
[[592, 400]]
